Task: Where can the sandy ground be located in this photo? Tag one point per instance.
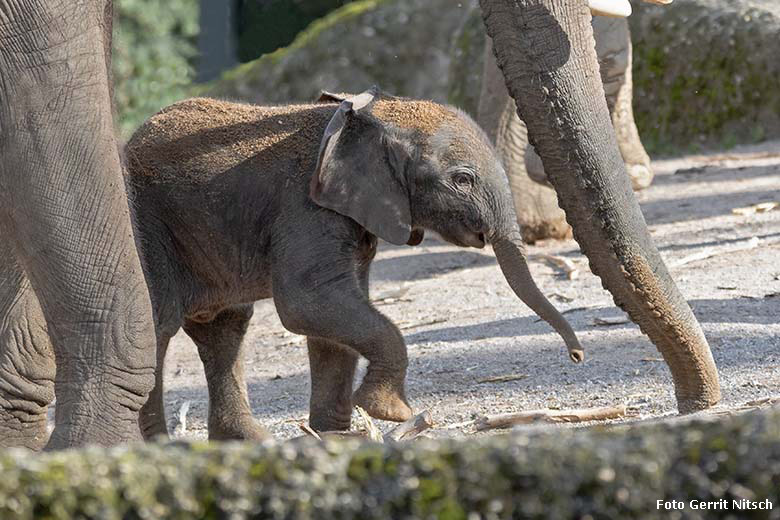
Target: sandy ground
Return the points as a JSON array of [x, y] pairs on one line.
[[463, 324]]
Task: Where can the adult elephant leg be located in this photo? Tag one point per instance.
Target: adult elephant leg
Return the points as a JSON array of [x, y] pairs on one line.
[[546, 51], [613, 48], [26, 360], [536, 204], [68, 216]]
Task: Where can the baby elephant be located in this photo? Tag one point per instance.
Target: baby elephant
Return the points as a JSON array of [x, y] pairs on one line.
[[234, 203]]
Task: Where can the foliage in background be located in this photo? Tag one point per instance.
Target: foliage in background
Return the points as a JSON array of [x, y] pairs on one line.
[[154, 56], [266, 25]]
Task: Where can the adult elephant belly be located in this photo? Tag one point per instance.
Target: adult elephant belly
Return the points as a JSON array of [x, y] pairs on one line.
[[546, 52]]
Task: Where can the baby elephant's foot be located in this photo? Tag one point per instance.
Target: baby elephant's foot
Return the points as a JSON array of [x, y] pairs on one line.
[[383, 401], [330, 420], [238, 429]]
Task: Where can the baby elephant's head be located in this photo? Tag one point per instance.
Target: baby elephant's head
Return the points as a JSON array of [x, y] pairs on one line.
[[399, 166]]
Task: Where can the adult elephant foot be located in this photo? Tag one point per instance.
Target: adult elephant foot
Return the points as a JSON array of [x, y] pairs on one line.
[[546, 52]]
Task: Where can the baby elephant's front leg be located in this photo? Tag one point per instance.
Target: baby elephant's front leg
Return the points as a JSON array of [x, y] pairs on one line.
[[381, 392], [340, 312]]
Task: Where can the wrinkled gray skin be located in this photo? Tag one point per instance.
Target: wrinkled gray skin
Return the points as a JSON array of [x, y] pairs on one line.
[[223, 226], [538, 212], [66, 238], [546, 51]]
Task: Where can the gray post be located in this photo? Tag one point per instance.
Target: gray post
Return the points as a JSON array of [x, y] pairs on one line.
[[217, 39]]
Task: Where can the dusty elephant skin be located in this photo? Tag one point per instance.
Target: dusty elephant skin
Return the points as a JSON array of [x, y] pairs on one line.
[[67, 254], [236, 203], [536, 203], [546, 51]]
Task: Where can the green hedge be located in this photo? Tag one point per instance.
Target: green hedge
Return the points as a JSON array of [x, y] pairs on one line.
[[153, 56], [596, 473]]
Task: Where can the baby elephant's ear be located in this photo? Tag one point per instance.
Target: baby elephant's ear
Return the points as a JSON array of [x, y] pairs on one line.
[[331, 97], [358, 175]]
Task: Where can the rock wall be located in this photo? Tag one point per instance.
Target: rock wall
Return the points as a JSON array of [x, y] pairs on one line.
[[400, 45], [705, 71]]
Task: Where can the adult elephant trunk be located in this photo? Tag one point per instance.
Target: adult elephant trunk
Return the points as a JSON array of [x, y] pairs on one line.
[[546, 51], [509, 250]]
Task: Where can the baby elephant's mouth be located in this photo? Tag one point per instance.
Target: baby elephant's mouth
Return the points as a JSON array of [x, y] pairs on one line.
[[474, 240]]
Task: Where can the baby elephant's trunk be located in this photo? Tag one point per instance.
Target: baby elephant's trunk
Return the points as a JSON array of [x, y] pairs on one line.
[[511, 257]]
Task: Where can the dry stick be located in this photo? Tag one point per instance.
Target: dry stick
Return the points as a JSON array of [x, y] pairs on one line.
[[742, 245], [550, 416], [766, 401], [371, 429], [561, 262], [434, 321], [411, 428], [762, 207], [458, 426], [340, 434], [308, 431], [750, 406], [502, 379], [610, 320]]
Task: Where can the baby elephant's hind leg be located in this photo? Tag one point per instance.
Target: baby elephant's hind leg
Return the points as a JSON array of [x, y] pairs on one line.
[[219, 346], [151, 419]]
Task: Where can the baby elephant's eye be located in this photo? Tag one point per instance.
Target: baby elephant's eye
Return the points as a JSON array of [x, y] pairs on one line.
[[463, 179]]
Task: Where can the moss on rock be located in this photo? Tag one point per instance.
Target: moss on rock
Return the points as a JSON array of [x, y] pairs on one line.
[[706, 73], [598, 472]]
